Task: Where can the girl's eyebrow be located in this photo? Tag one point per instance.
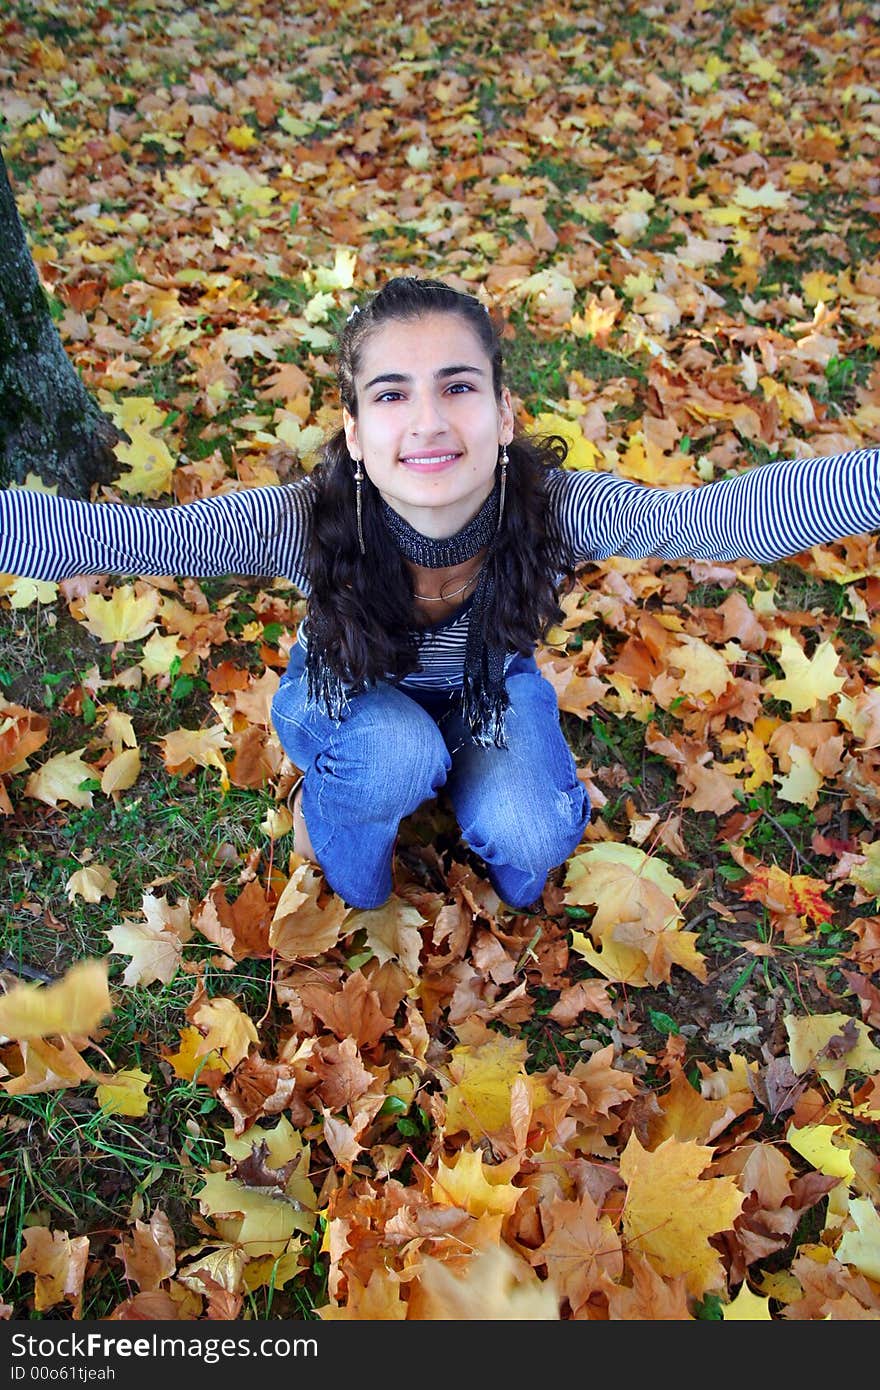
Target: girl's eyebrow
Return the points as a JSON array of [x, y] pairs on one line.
[[400, 378]]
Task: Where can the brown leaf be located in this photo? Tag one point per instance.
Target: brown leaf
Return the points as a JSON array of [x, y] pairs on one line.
[[58, 1264], [149, 1256], [254, 1171], [261, 1088], [352, 1012]]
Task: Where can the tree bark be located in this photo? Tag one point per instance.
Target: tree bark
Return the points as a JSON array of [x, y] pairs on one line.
[[49, 423]]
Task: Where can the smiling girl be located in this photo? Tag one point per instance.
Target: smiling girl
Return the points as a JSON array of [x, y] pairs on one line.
[[432, 542]]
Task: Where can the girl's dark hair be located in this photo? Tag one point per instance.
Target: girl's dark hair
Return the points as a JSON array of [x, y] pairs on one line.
[[361, 606]]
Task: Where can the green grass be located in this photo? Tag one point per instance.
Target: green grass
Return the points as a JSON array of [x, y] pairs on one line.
[[539, 369]]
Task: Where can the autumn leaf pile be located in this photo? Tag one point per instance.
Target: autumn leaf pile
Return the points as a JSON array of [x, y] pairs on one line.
[[658, 1097]]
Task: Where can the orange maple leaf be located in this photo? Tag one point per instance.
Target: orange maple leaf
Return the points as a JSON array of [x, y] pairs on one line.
[[795, 894]]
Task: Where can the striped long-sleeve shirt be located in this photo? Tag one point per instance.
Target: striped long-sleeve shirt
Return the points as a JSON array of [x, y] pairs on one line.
[[764, 514]]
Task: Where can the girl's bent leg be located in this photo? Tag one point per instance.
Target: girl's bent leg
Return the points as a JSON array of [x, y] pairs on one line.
[[521, 808], [363, 774]]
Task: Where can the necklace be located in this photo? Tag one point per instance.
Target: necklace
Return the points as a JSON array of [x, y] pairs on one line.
[[444, 598]]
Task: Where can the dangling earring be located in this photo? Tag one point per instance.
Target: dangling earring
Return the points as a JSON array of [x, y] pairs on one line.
[[504, 461], [358, 485]]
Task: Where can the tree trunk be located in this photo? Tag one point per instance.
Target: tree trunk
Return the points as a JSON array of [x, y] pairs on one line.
[[49, 423]]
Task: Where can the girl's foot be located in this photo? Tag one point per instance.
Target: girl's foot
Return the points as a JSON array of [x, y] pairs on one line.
[[301, 842]]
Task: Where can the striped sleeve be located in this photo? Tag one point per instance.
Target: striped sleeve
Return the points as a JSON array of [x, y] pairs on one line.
[[770, 511], [260, 531]]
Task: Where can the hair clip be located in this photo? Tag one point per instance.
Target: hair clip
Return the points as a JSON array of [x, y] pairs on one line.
[[355, 310]]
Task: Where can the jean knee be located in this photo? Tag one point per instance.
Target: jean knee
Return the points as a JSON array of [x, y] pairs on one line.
[[393, 756], [295, 722], [541, 836]]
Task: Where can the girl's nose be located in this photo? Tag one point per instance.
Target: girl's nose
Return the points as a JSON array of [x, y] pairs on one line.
[[427, 414]]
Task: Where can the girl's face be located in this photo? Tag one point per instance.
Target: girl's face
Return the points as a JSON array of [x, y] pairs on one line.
[[429, 426]]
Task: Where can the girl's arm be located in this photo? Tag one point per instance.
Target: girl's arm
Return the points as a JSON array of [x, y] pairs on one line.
[[773, 510], [257, 531]]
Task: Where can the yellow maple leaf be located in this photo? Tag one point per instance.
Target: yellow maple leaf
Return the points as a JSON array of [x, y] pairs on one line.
[[793, 404], [495, 1284], [478, 1100], [582, 452], [263, 1220], [622, 964], [660, 311], [861, 1247], [91, 883], [662, 947], [704, 670], [149, 460], [125, 1093], [765, 69], [867, 874], [764, 197], [319, 307], [802, 784], [124, 617], [242, 137], [584, 865], [392, 932], [277, 823], [72, 1006], [670, 1212], [819, 287], [60, 779], [155, 953], [305, 440], [118, 730], [816, 1144], [274, 1271], [160, 652], [747, 1307], [759, 760], [379, 1300], [48, 1067], [184, 749], [637, 923], [474, 1186], [121, 772], [259, 1220], [284, 1145], [808, 680], [338, 277], [23, 592], [188, 1062], [811, 1047], [225, 1029]]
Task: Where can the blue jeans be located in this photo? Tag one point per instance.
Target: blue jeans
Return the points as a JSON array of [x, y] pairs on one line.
[[521, 808]]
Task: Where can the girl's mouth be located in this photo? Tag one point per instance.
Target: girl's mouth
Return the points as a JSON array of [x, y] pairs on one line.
[[429, 463]]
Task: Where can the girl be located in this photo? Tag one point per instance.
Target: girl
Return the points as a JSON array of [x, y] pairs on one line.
[[431, 541]]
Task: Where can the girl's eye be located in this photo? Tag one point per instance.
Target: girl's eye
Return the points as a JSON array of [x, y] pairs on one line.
[[389, 396], [461, 386]]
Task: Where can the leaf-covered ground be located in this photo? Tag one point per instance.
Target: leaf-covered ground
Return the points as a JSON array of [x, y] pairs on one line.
[[224, 1094]]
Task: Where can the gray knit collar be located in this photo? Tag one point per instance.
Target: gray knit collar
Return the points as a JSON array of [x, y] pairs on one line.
[[435, 554]]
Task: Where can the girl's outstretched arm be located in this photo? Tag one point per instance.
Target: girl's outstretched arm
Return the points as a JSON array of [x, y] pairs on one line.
[[770, 511], [256, 531]]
